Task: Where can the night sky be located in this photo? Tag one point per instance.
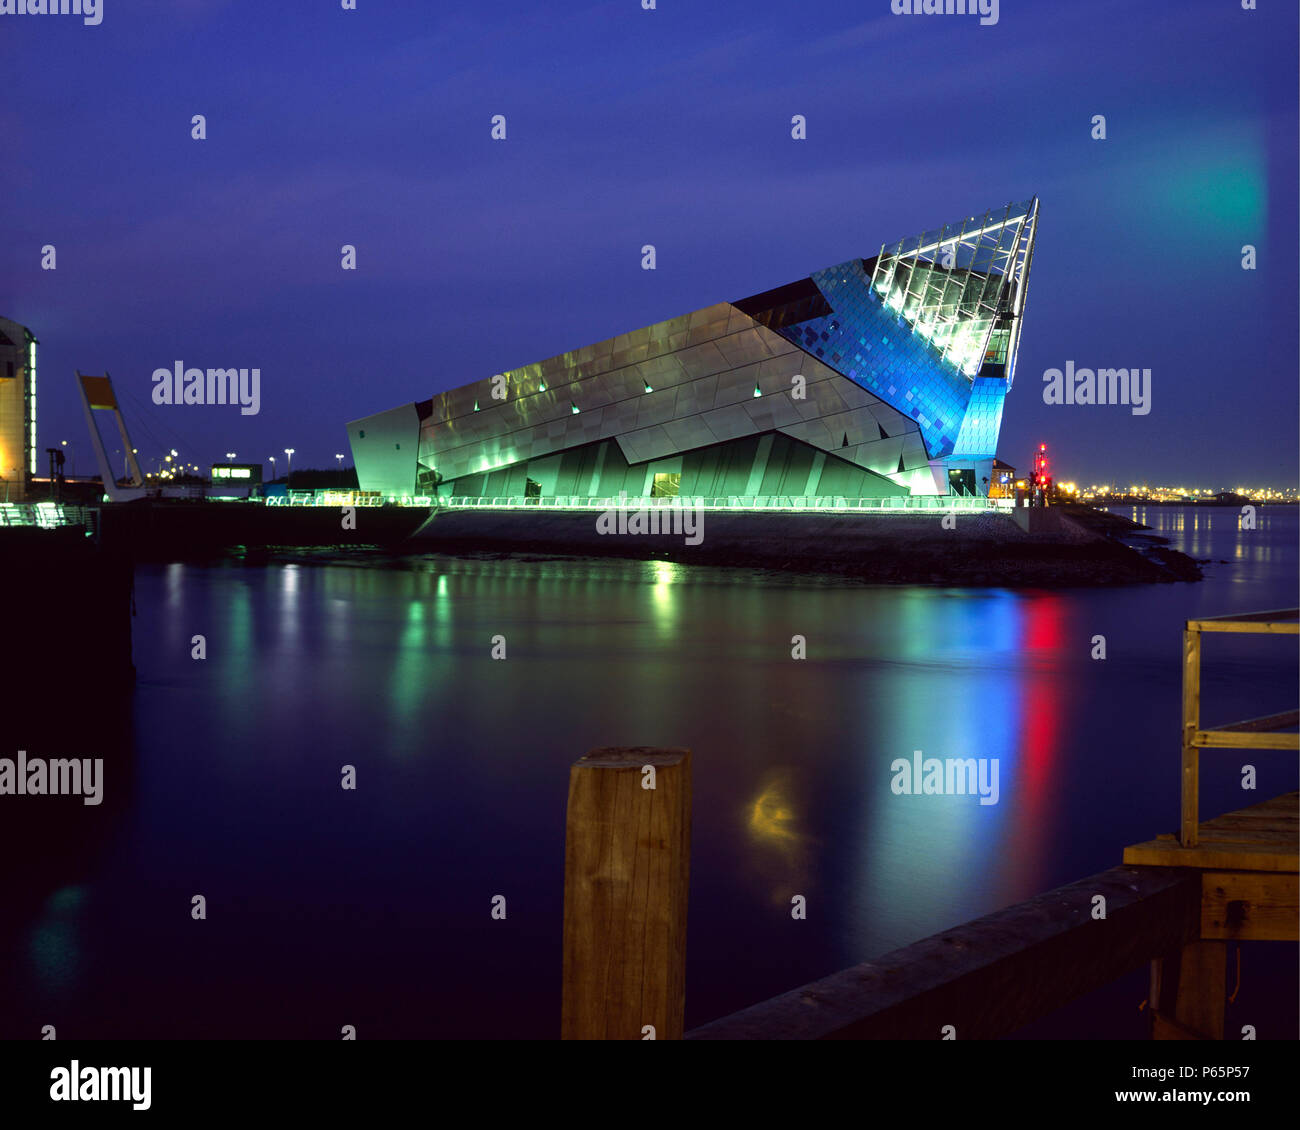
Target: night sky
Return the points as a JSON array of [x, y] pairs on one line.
[[626, 127]]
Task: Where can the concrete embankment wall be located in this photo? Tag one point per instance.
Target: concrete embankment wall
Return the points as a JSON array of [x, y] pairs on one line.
[[981, 549], [174, 531]]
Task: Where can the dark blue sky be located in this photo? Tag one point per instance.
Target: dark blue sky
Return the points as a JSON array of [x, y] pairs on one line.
[[627, 127]]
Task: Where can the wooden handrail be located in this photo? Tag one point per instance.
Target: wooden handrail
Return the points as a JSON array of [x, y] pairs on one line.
[[1254, 733]]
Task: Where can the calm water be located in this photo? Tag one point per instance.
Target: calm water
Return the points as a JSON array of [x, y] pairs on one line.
[[371, 907]]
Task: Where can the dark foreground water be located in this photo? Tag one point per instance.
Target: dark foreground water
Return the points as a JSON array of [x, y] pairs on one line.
[[371, 907]]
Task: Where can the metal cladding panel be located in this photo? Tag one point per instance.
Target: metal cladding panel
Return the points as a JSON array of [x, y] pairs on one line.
[[689, 433], [713, 318], [702, 360], [730, 422], [822, 399], [814, 432], [653, 443], [881, 456], [775, 411], [744, 348], [654, 408], [890, 421], [623, 415], [694, 397], [737, 319], [629, 444], [661, 372], [857, 425], [914, 453], [855, 396], [385, 450], [736, 386]]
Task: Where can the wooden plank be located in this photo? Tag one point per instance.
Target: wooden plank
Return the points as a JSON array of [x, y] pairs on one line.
[[1230, 739], [1252, 617], [1217, 857], [1264, 837], [1282, 622], [1247, 906], [1265, 722], [1191, 781], [1261, 628], [626, 876], [991, 976]]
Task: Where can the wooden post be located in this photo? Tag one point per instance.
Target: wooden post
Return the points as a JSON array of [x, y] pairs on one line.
[[1191, 806], [626, 876], [1191, 986]]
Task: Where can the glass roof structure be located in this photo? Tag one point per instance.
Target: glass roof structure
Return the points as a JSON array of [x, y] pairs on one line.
[[959, 285]]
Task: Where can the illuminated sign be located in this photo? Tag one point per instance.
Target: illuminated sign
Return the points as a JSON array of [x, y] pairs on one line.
[[237, 472]]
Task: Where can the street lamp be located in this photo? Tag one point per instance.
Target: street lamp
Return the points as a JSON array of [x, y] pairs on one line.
[[272, 459], [73, 452], [340, 459], [230, 455], [288, 467]]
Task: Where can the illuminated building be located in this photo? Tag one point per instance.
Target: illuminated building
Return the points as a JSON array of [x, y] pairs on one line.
[[1002, 482], [873, 378], [17, 410]]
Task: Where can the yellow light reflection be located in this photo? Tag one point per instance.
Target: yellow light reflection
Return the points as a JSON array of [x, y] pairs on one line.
[[781, 850]]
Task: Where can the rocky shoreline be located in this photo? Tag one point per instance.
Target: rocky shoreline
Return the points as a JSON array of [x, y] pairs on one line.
[[1059, 547]]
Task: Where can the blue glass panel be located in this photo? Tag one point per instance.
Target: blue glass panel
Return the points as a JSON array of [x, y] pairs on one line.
[[910, 374]]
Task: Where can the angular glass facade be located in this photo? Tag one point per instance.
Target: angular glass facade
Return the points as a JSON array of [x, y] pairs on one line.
[[873, 378], [955, 286]]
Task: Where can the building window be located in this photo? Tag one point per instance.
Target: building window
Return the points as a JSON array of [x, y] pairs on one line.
[[667, 485]]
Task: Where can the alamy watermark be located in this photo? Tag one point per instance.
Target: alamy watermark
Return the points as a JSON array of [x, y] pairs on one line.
[[1103, 386], [91, 11], [675, 518], [75, 1083], [179, 385], [949, 776], [987, 10], [60, 776]]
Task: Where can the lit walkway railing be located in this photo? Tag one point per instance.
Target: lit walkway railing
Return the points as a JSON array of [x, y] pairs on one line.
[[771, 503], [45, 515]]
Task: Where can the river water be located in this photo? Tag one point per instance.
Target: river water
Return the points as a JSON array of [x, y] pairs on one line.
[[371, 907]]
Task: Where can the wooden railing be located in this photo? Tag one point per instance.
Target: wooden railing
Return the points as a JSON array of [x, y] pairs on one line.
[[1255, 733]]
